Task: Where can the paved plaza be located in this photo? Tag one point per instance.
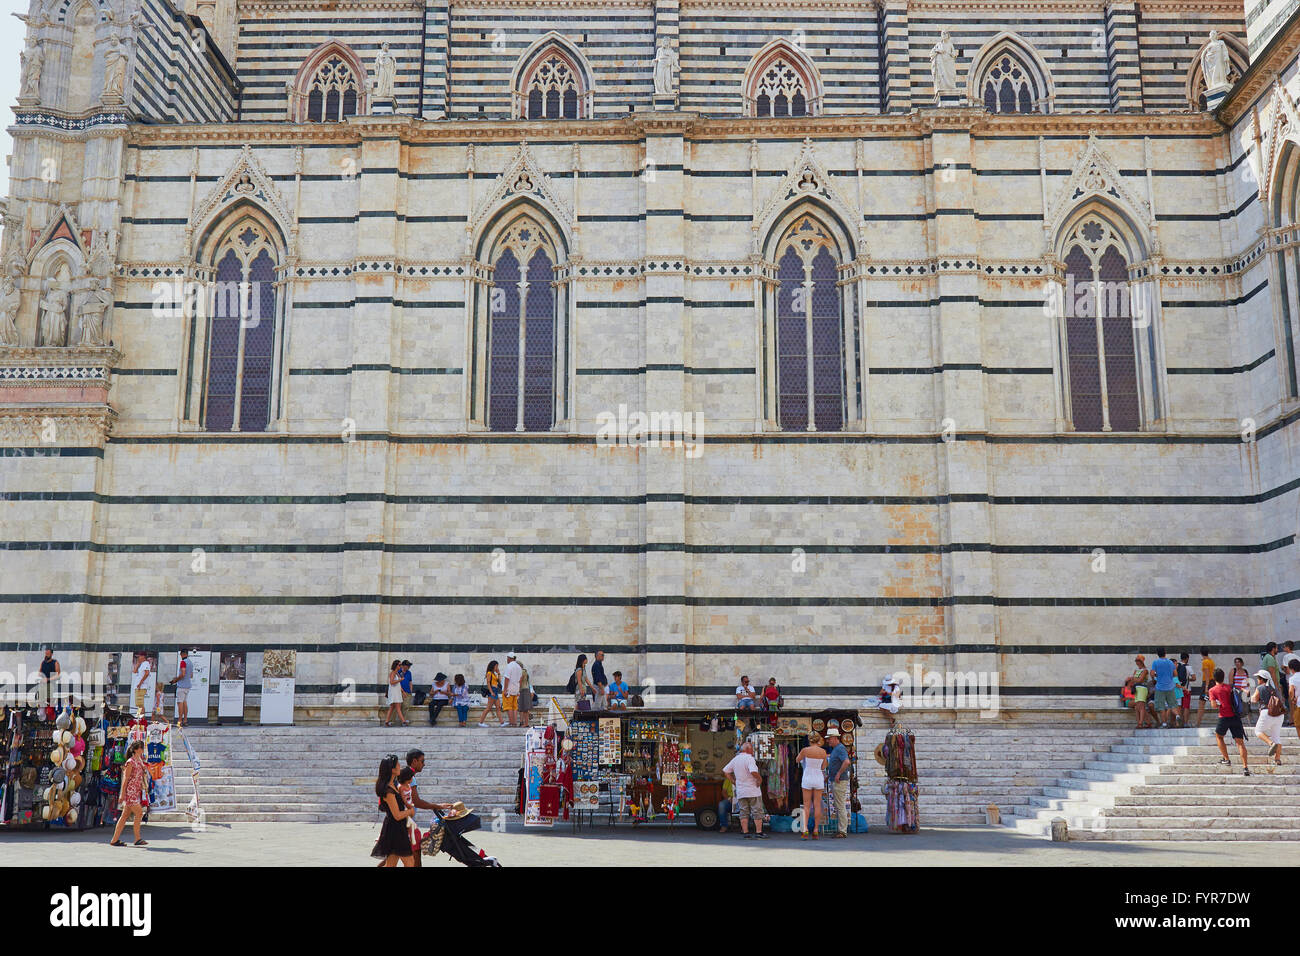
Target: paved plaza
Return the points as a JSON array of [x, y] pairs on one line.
[[348, 844]]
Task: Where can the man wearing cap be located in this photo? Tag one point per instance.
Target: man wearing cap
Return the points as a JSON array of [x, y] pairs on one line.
[[837, 774], [514, 675]]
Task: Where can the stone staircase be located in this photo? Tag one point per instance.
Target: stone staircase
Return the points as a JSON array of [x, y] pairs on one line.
[[1168, 785], [322, 774]]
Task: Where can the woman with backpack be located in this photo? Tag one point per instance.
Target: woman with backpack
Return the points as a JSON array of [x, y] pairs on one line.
[[492, 691], [579, 686], [1272, 708]]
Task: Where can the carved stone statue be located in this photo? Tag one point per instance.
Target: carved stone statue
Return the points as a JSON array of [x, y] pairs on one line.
[[98, 299], [943, 64], [385, 73], [115, 58], [10, 300], [54, 315], [33, 61], [666, 63], [288, 100], [1215, 63]]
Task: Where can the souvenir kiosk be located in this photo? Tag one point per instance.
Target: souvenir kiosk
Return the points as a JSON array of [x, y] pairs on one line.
[[62, 766], [639, 765]]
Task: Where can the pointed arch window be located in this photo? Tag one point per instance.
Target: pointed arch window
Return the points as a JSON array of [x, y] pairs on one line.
[[333, 92], [522, 329], [242, 318], [552, 81], [782, 81], [1100, 340], [1008, 76], [810, 356], [330, 86]]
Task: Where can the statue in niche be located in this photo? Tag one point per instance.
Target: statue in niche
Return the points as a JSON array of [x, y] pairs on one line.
[[33, 61], [943, 64], [10, 300], [1215, 63], [98, 299], [115, 58], [385, 73], [666, 63], [54, 315]]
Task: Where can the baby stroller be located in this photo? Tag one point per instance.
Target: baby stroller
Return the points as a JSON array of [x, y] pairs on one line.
[[448, 836]]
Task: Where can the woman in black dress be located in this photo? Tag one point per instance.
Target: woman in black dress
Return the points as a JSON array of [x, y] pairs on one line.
[[393, 844]]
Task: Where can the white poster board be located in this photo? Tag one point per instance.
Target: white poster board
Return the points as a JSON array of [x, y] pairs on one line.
[[200, 670], [230, 687], [278, 668]]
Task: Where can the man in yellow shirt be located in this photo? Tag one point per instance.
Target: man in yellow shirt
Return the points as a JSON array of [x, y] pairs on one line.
[[1207, 678]]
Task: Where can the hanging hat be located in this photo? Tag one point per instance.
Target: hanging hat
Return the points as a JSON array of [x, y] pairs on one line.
[[832, 731]]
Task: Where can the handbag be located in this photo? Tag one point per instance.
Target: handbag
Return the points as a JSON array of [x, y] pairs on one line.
[[1275, 708], [431, 842], [635, 701]]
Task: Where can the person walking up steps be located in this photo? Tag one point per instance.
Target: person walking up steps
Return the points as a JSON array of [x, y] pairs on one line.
[[1207, 678], [1272, 708], [1222, 695]]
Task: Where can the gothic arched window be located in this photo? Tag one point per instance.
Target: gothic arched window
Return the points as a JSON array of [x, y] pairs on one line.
[[1099, 331], [521, 329], [332, 92], [241, 331], [330, 86], [1008, 76], [552, 81], [782, 81], [809, 343]]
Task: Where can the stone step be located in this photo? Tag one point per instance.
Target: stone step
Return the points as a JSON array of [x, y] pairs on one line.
[[1198, 834]]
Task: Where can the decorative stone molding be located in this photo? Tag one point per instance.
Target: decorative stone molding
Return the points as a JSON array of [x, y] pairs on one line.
[[522, 177], [248, 180], [81, 365], [807, 179], [32, 426], [1097, 177]]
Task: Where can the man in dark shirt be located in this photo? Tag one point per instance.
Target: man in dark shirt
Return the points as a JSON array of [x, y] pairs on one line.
[[837, 775], [49, 671], [599, 680]]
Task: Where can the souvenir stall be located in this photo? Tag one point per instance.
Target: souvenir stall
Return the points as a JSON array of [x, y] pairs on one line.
[[640, 766], [50, 768]]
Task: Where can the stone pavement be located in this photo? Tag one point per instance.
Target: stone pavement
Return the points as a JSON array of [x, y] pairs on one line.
[[348, 844]]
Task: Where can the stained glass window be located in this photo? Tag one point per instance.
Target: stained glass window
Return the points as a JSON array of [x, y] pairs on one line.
[[809, 314], [1011, 85], [552, 88], [332, 93], [524, 301]]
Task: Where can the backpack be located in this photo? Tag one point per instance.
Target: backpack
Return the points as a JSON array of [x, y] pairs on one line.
[[1238, 708], [572, 686], [1275, 708]]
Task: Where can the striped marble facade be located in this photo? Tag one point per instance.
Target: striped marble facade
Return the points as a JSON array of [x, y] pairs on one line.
[[958, 521]]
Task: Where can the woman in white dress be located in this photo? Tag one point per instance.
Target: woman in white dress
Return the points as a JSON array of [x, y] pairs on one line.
[[395, 695], [813, 761]]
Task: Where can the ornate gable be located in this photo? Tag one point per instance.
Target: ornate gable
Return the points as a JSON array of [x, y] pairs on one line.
[[807, 179], [1283, 124], [247, 180], [62, 225], [522, 178], [1096, 176]]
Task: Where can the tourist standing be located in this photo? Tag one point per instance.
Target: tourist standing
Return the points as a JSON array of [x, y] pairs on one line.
[[183, 684], [514, 676], [1268, 662], [132, 800], [598, 680], [1272, 708], [579, 685], [406, 682], [492, 691], [813, 761], [1185, 685], [1207, 679], [393, 844], [1166, 700], [460, 699], [1138, 681], [395, 694], [743, 773], [439, 696], [1241, 683], [746, 696], [1229, 721], [50, 671], [525, 695], [838, 771]]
